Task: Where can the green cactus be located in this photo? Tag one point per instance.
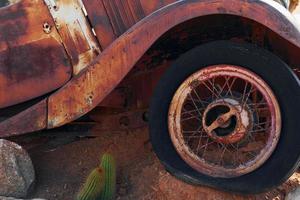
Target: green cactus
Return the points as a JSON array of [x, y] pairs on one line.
[[109, 166], [93, 186]]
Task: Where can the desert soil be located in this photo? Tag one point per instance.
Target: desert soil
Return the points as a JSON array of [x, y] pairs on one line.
[[62, 160]]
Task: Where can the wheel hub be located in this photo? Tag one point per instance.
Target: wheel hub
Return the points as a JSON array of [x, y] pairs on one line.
[[226, 120]]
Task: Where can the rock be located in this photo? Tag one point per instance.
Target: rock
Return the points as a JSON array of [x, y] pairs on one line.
[[294, 195], [7, 2], [16, 170]]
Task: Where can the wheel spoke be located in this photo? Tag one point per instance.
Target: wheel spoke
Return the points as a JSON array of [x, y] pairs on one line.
[[199, 143], [227, 78], [196, 107], [205, 146], [215, 95], [246, 97], [199, 99], [230, 87], [191, 111], [222, 154], [191, 117]]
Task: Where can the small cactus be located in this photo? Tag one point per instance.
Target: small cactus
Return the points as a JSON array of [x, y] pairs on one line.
[[93, 186], [109, 166]]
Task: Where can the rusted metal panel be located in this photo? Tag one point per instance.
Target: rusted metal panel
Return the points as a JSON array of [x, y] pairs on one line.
[[28, 54], [75, 31], [136, 9], [84, 92], [22, 23], [100, 20], [21, 71], [32, 119], [135, 91], [119, 20], [111, 18], [119, 98], [151, 6]]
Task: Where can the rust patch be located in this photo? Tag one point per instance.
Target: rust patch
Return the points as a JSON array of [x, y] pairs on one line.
[[13, 22], [28, 55], [24, 66], [32, 119], [75, 31], [101, 22], [22, 23]]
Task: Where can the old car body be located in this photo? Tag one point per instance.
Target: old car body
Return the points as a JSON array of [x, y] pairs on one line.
[[39, 45]]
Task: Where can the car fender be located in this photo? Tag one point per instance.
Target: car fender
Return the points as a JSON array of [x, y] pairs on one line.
[[90, 87]]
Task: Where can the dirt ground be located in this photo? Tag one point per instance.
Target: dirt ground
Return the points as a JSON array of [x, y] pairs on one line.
[[62, 160]]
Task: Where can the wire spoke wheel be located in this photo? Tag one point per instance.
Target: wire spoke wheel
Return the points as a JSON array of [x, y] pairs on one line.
[[225, 114], [224, 121]]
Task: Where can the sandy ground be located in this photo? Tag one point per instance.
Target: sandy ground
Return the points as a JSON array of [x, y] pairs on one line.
[[61, 169]]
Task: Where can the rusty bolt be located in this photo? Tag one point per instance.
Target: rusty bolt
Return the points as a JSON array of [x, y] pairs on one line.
[[47, 27]]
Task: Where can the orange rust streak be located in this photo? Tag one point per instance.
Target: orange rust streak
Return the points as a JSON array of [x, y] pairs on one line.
[[91, 86]]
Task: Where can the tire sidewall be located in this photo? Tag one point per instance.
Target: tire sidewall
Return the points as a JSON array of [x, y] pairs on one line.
[[273, 71]]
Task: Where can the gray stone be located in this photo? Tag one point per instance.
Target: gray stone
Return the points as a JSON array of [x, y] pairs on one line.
[[16, 170], [7, 2], [294, 195]]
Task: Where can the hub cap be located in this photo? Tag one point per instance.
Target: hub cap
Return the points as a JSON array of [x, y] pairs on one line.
[[224, 121]]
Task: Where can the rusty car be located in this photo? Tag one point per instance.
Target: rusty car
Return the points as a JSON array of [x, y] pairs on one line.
[[218, 80]]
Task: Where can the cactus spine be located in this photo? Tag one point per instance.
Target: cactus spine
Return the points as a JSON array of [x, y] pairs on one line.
[[93, 186], [109, 166]]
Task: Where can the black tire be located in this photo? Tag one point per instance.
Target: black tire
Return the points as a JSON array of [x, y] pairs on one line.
[[285, 85]]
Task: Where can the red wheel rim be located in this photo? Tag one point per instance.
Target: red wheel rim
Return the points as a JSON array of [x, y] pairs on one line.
[[224, 121]]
